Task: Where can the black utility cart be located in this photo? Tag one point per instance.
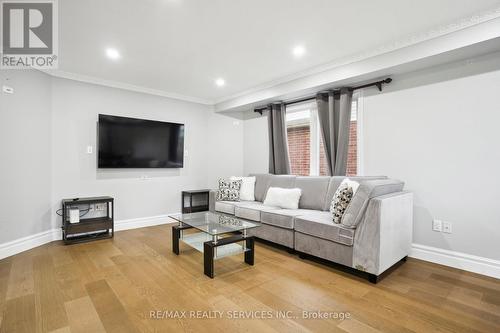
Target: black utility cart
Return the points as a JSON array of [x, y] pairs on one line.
[[91, 227]]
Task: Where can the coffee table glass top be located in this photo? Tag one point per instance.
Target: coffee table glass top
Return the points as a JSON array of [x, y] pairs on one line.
[[214, 223]]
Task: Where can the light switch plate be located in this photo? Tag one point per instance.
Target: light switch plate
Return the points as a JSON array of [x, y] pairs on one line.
[[7, 90], [89, 149], [437, 225]]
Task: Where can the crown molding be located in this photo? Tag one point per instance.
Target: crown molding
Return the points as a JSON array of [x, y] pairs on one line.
[[126, 86], [406, 41]]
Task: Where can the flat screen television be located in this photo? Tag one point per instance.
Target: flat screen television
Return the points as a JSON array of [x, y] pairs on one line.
[[138, 143]]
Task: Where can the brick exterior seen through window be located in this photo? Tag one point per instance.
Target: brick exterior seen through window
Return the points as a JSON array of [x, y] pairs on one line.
[[299, 150]]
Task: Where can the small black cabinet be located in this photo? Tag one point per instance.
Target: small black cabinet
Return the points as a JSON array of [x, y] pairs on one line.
[[194, 201], [90, 227]]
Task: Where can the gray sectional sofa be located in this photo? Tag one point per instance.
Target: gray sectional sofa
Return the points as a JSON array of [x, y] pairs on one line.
[[376, 229]]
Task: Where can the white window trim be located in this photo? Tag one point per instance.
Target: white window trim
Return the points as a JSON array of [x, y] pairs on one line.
[[309, 110], [359, 133], [314, 143]]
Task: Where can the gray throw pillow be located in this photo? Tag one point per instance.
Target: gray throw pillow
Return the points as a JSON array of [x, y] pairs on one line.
[[340, 201], [229, 190]]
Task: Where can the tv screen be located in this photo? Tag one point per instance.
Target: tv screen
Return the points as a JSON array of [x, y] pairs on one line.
[[138, 143]]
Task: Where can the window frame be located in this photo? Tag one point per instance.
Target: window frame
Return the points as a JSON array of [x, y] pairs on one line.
[[315, 133], [358, 96]]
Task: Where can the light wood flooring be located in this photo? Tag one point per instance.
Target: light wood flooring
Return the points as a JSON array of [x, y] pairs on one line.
[[114, 285]]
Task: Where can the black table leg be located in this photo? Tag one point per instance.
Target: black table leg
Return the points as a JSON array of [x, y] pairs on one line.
[[208, 260], [176, 235], [249, 255]]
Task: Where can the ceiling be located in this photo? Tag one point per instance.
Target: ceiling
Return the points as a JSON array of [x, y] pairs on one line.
[[180, 47]]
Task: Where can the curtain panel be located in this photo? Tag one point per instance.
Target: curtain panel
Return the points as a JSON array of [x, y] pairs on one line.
[[334, 113], [279, 161]]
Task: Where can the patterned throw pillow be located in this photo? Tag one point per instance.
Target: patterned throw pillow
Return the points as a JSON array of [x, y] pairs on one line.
[[229, 190], [340, 201]]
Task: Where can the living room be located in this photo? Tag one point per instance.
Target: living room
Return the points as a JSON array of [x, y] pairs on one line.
[[260, 174]]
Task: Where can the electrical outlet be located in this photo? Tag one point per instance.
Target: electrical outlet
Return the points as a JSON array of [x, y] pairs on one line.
[[100, 207], [447, 227], [437, 225]]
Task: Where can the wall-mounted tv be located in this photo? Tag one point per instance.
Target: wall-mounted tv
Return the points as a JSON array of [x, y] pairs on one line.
[[138, 143]]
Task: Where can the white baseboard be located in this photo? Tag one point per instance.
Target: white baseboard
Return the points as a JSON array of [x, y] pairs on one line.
[[466, 262], [143, 222], [27, 243]]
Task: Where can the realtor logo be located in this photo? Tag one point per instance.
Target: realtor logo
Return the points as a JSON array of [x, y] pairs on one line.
[[29, 34]]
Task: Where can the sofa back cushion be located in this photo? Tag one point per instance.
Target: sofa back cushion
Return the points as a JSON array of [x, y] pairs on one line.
[[283, 181], [335, 183], [264, 181], [367, 190], [261, 185], [313, 191]]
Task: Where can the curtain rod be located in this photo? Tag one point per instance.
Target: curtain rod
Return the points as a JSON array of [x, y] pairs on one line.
[[378, 84]]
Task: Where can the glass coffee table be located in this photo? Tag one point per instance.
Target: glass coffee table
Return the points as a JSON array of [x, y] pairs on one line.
[[220, 235]]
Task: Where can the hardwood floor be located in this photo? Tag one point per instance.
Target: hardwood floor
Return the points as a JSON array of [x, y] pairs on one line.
[[115, 285]]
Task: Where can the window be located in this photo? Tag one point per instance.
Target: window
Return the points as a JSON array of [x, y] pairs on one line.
[[305, 145]]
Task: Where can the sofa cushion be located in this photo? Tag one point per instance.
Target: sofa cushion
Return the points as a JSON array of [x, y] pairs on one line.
[[261, 185], [367, 190], [335, 183], [313, 191], [224, 207], [228, 206], [251, 211], [319, 224], [283, 218], [274, 234]]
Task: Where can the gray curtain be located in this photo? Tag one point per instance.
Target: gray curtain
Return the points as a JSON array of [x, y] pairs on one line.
[[279, 162], [334, 113]]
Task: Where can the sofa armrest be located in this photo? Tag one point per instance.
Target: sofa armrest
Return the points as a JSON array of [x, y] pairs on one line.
[[212, 195], [385, 234]]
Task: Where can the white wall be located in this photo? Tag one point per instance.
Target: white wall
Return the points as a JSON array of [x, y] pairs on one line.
[[225, 148], [255, 146], [76, 107], [46, 126], [25, 146], [442, 140]]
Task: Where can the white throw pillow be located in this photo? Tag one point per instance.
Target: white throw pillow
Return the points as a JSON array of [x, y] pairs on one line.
[[247, 190], [287, 198]]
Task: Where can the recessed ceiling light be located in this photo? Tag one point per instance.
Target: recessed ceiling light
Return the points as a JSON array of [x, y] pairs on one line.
[[113, 53], [298, 51], [220, 82]]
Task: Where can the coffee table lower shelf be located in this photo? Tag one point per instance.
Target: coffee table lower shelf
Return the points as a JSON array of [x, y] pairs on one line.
[[213, 249]]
